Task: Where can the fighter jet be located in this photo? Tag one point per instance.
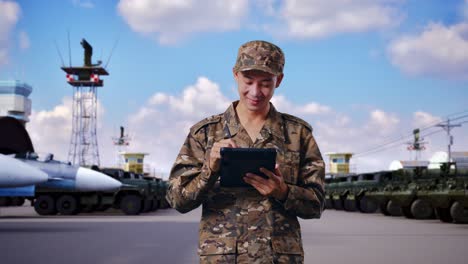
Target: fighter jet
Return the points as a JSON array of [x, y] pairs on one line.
[[15, 173], [66, 176]]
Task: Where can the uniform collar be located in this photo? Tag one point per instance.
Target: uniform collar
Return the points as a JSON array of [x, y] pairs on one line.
[[274, 125]]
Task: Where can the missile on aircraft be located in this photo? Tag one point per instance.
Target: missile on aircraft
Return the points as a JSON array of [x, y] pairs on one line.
[[69, 177], [15, 173]]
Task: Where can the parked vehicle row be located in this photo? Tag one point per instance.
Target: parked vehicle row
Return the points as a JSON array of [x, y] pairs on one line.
[[418, 193]]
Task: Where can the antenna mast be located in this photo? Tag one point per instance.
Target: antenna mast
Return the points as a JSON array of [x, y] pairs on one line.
[[121, 143], [448, 127], [417, 144], [85, 81]]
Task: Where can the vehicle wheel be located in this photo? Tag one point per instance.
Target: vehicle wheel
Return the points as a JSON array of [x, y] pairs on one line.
[[443, 214], [406, 211], [367, 205], [383, 209], [45, 205], [5, 201], [350, 205], [67, 205], [328, 204], [338, 204], [393, 208], [17, 201], [131, 204], [421, 209], [459, 213], [147, 205]]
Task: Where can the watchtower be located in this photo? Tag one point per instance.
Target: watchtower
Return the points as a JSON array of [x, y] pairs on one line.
[[134, 162], [339, 162], [85, 80]]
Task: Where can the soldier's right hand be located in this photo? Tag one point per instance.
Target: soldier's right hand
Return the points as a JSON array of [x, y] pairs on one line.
[[215, 155]]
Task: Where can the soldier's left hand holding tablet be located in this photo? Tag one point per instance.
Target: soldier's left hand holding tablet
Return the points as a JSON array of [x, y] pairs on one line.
[[273, 186]]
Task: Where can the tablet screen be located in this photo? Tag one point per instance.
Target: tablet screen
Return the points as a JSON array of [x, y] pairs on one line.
[[236, 162]]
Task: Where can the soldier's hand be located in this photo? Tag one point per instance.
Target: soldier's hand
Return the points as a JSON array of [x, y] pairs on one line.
[[273, 186], [215, 155]]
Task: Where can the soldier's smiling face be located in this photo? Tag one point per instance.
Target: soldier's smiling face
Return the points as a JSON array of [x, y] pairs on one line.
[[256, 88]]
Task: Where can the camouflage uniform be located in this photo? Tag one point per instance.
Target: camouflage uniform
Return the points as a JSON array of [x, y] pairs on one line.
[[239, 225]]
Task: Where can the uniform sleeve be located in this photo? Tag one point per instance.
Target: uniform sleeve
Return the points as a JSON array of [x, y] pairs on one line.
[[190, 177], [307, 198]]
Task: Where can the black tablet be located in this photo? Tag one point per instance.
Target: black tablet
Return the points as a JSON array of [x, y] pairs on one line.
[[236, 162]]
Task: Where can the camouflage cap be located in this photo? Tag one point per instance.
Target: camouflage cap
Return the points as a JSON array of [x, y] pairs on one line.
[[260, 55]]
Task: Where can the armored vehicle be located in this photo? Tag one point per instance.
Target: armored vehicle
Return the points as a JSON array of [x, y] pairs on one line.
[[366, 184], [334, 191], [348, 193], [137, 195], [328, 189], [386, 183], [448, 195]]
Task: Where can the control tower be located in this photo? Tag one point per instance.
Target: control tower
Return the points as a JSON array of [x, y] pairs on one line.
[[85, 80], [14, 100]]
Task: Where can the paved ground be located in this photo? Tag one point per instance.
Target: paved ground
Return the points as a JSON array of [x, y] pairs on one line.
[[168, 237]]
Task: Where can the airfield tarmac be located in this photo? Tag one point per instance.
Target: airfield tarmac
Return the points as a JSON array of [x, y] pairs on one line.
[[165, 236]]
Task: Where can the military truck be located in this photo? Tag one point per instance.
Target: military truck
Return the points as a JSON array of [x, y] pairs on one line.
[[348, 193], [50, 200], [334, 190], [164, 203], [385, 183], [137, 194], [365, 185], [448, 196], [328, 188]]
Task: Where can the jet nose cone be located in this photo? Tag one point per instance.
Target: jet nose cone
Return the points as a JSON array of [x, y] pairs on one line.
[[90, 180], [15, 173]]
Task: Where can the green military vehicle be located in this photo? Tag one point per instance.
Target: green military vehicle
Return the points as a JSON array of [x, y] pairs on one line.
[[50, 200], [348, 193], [448, 196], [328, 188], [335, 191], [366, 184], [403, 196], [159, 191], [137, 194], [380, 194], [164, 203]]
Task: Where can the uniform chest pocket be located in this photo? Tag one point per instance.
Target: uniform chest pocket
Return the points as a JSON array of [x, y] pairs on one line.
[[290, 166]]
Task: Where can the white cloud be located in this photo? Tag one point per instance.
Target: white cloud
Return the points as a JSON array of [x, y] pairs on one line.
[[423, 119], [312, 108], [437, 51], [83, 3], [160, 126], [50, 130], [171, 21], [321, 18], [24, 41], [383, 122], [9, 16]]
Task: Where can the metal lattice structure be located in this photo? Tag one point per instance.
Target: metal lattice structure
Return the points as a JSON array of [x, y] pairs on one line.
[[121, 143], [84, 150]]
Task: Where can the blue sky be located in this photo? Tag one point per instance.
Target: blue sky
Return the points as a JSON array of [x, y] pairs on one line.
[[369, 68]]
